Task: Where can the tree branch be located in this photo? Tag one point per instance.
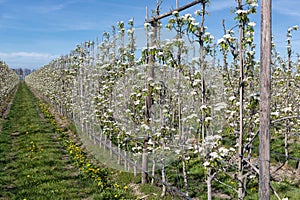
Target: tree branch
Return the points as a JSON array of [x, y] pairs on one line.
[[284, 118], [226, 185], [156, 18]]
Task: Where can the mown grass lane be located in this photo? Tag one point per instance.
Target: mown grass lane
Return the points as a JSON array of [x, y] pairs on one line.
[[33, 164]]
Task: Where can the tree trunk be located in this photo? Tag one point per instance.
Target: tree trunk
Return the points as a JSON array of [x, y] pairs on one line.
[[208, 184], [185, 179], [153, 164], [163, 178], [119, 150], [241, 109], [145, 163]]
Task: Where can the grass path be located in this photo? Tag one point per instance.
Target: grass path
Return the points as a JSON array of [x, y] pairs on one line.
[[33, 164]]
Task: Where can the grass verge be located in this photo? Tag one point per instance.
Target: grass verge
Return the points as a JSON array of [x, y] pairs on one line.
[[33, 162]]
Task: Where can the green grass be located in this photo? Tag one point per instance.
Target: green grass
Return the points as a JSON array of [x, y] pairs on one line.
[[33, 164]]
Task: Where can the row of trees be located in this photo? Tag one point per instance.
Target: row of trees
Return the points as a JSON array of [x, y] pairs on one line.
[[174, 107], [8, 82]]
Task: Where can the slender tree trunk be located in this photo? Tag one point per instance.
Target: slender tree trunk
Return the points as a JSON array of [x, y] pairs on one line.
[[163, 178], [153, 164], [208, 183], [119, 150], [184, 171], [110, 146], [134, 168], [145, 162], [126, 165], [148, 103], [287, 101], [241, 109]]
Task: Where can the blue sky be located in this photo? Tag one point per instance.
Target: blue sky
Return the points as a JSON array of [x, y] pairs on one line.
[[33, 32]]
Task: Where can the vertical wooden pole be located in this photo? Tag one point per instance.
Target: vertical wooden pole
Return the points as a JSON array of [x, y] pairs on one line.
[[241, 108], [265, 99]]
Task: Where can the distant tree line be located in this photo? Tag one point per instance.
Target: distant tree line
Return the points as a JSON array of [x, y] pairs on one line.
[[22, 72]]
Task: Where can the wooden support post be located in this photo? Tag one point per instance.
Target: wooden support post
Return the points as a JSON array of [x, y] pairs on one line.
[[265, 99]]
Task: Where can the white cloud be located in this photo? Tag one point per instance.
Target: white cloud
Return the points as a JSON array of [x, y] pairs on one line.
[[79, 26], [47, 9], [25, 54]]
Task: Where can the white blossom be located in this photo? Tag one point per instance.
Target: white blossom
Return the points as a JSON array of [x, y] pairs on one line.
[[254, 4], [177, 151], [158, 134], [251, 52], [175, 12], [195, 23], [227, 36], [231, 98], [207, 33], [220, 106], [252, 176], [150, 148], [223, 151], [221, 40], [276, 113], [230, 31], [145, 126], [296, 27], [196, 82], [188, 15], [206, 163], [214, 155], [252, 24], [150, 142], [203, 107], [287, 109], [193, 93], [137, 102], [167, 148], [241, 12], [207, 119]]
